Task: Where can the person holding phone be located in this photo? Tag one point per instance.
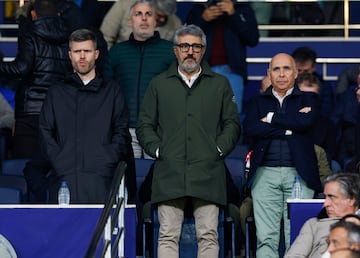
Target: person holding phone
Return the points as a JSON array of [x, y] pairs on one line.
[[230, 27]]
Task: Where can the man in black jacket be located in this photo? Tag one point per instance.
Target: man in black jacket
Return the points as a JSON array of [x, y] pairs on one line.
[[41, 60], [84, 126]]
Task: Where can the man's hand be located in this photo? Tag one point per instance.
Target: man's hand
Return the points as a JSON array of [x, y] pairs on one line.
[[226, 6], [305, 110], [212, 13]]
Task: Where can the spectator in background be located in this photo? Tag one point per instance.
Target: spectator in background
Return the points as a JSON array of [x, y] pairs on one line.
[[345, 119], [324, 131], [343, 235], [84, 126], [230, 28], [115, 23], [74, 18], [346, 79], [342, 193], [279, 121], [92, 11], [265, 83], [188, 122], [133, 63], [41, 60], [305, 60]]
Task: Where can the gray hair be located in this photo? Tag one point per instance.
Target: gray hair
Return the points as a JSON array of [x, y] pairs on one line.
[[353, 231], [149, 2], [81, 35], [190, 30], [349, 185], [167, 6]]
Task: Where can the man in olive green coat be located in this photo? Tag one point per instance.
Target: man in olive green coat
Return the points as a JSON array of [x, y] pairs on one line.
[[189, 123]]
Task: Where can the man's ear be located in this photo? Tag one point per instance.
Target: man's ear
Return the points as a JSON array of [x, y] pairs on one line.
[[355, 246], [33, 14]]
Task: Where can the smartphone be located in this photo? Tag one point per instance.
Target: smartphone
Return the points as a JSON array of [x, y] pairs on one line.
[[213, 2]]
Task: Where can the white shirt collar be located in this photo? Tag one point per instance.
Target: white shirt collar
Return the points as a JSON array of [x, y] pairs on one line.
[[190, 82]]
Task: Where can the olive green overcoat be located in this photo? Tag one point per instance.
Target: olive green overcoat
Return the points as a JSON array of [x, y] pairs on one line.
[[194, 129]]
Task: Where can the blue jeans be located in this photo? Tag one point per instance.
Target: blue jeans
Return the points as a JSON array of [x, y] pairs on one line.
[[236, 82]]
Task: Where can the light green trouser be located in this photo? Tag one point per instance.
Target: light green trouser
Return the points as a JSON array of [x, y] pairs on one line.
[[270, 189]]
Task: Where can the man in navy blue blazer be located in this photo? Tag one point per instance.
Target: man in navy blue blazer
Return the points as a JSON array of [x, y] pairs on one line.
[[278, 123]]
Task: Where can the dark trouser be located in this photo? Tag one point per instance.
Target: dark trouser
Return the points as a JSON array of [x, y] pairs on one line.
[[25, 141], [84, 188]]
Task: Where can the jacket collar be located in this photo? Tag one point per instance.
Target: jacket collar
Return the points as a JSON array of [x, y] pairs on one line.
[[296, 91], [154, 38], [75, 81], [205, 70]]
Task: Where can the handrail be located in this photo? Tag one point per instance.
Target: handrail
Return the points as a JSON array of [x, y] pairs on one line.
[[324, 62], [105, 224], [345, 25]]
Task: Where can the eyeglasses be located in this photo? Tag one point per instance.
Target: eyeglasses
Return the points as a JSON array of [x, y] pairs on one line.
[[184, 47]]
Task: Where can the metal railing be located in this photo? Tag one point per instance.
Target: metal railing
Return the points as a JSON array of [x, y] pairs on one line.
[[111, 222], [344, 25]]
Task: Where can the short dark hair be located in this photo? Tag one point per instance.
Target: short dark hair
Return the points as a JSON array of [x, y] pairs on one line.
[[351, 215], [308, 77], [303, 54], [81, 35], [45, 8]]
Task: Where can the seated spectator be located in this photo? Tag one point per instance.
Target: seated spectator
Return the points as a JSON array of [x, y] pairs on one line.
[[305, 60], [324, 131], [343, 235], [346, 79], [115, 23], [342, 197]]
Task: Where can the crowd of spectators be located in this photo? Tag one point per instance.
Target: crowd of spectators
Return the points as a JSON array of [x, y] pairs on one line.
[[298, 125]]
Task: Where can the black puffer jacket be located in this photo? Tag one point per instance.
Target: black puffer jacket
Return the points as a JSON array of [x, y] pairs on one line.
[[42, 58]]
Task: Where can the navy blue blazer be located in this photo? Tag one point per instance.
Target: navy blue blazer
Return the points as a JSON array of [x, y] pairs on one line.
[[285, 118]]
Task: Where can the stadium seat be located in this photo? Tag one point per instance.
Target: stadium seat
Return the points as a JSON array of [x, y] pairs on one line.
[[17, 182], [10, 195], [13, 166]]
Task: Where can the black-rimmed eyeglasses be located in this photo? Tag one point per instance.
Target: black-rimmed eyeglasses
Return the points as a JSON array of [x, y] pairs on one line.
[[184, 47]]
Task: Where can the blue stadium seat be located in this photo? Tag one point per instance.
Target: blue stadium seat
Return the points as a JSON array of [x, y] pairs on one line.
[[13, 166], [10, 195], [17, 182]]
